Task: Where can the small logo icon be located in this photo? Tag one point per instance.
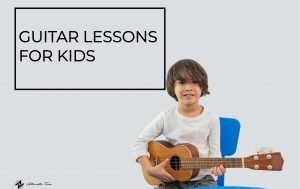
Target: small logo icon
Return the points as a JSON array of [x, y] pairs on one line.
[[19, 184]]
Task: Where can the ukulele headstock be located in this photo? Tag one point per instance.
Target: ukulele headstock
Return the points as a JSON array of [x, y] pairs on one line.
[[268, 160]]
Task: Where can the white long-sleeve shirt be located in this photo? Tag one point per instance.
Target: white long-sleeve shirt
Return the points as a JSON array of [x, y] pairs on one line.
[[203, 131]]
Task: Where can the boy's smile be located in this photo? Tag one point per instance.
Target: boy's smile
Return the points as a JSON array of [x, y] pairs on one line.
[[188, 95]]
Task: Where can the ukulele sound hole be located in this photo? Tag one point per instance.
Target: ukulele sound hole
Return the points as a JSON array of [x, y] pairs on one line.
[[175, 162]]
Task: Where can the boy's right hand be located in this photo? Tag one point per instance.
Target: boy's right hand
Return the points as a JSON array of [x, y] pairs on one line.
[[160, 173]]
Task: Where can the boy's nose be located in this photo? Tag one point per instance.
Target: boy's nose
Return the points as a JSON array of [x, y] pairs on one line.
[[188, 86]]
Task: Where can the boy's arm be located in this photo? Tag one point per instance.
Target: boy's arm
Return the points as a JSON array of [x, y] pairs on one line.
[[152, 131], [139, 148], [157, 171], [214, 146], [145, 163], [214, 138]]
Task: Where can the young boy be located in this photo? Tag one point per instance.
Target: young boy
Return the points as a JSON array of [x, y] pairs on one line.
[[188, 122]]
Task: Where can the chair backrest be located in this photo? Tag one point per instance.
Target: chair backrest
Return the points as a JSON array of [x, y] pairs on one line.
[[229, 133]]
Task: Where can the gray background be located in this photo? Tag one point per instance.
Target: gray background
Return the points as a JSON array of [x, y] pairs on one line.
[[81, 139]]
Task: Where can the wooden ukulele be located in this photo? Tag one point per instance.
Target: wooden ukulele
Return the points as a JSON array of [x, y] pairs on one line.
[[185, 162]]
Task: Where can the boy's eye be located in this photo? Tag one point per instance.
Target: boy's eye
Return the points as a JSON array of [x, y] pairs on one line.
[[179, 82], [195, 82]]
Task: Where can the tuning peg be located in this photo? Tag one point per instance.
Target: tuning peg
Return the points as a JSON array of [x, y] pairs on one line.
[[265, 149], [258, 150], [269, 149]]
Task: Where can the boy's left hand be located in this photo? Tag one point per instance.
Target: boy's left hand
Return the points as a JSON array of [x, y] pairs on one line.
[[218, 170]]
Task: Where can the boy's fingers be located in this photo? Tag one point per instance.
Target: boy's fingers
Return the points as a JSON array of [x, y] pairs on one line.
[[164, 163], [165, 179], [169, 177], [215, 171], [219, 172], [223, 169], [172, 178]]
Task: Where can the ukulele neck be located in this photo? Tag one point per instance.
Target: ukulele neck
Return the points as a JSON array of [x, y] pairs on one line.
[[206, 163]]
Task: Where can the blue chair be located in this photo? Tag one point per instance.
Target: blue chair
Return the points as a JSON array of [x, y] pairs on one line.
[[230, 130]]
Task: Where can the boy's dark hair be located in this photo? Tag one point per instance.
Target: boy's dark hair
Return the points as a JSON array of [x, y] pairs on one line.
[[184, 70]]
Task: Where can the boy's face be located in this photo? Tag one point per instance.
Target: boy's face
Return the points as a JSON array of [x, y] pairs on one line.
[[187, 92]]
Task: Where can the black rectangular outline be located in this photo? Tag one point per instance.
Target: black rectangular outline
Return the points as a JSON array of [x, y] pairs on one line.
[[15, 65]]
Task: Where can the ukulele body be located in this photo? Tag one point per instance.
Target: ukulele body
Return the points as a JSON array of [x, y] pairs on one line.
[[161, 150]]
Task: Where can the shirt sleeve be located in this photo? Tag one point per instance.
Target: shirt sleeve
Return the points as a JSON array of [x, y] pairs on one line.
[[152, 131], [214, 138]]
